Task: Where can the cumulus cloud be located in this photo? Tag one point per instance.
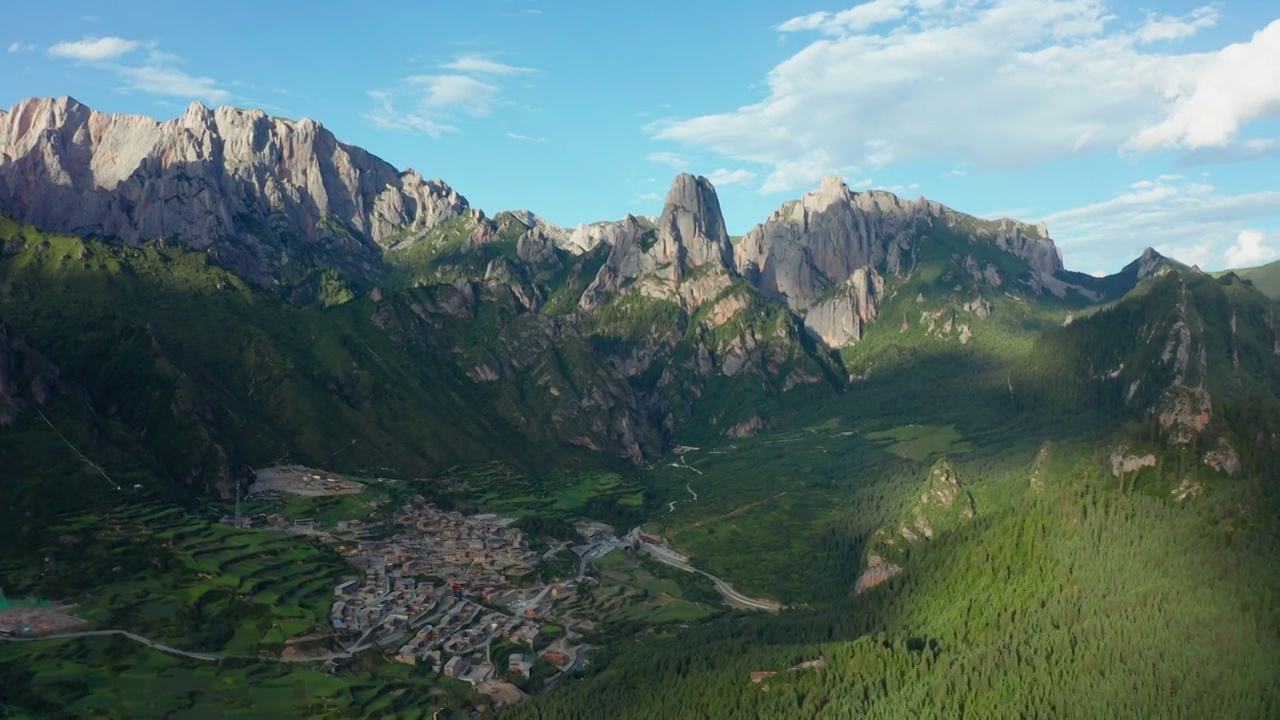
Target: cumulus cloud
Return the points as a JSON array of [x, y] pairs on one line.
[[1250, 249], [646, 199], [1217, 95], [991, 85], [1187, 219], [526, 138], [21, 47], [434, 104], [93, 49], [722, 177]]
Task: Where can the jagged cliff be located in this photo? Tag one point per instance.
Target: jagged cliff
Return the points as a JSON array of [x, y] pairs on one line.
[[685, 256], [828, 254], [269, 199]]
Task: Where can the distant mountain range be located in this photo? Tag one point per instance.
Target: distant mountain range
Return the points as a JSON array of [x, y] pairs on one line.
[[611, 336]]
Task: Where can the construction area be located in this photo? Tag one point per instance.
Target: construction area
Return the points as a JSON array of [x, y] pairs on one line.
[[298, 480], [18, 621]]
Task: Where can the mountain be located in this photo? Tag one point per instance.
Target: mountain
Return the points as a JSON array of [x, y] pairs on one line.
[[272, 200], [975, 479], [1264, 277]]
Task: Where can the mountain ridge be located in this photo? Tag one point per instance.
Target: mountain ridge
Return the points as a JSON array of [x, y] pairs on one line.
[[276, 200]]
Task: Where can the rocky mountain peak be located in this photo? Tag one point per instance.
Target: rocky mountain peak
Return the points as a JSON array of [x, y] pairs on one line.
[[264, 196], [1149, 262], [659, 255], [692, 222]]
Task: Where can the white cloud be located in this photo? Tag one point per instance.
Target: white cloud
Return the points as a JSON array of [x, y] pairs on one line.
[[159, 80], [480, 65], [722, 177], [93, 49], [436, 102], [460, 93], [1250, 250], [386, 116], [855, 19], [153, 74], [1214, 97], [646, 199], [1163, 28], [667, 158], [999, 84], [526, 138], [21, 47], [1189, 220]]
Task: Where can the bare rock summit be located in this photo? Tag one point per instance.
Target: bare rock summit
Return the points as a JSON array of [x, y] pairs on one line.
[[265, 197]]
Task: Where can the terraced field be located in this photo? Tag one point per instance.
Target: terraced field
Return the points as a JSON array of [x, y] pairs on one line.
[[160, 571], [108, 677]]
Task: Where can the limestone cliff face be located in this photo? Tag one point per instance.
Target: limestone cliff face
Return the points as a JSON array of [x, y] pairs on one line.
[[685, 256], [263, 196], [826, 255], [817, 242], [841, 318]]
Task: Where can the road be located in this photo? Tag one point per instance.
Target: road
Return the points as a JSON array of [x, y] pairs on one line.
[[136, 638], [207, 657], [530, 603], [733, 597]]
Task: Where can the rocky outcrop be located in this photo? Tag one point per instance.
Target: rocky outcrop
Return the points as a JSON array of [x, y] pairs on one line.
[[809, 248], [878, 572], [26, 378], [842, 316], [267, 198], [812, 244], [1224, 458], [747, 428], [1032, 244], [943, 504], [1123, 463], [685, 257]]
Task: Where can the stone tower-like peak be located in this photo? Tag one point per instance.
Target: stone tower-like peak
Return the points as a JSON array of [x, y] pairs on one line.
[[692, 220]]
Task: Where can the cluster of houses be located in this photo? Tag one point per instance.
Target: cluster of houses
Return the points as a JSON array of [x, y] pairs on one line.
[[441, 583]]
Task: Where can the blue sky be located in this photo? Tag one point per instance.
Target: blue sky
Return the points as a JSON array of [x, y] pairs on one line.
[[1120, 125]]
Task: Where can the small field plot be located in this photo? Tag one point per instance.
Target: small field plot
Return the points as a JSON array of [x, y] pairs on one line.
[[634, 591], [565, 497], [919, 442]]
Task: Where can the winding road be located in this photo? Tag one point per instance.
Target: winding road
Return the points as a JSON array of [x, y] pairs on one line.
[[733, 597]]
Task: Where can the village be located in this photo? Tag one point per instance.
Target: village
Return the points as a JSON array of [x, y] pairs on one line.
[[445, 587]]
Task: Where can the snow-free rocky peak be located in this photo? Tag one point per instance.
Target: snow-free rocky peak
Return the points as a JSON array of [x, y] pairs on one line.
[[262, 195]]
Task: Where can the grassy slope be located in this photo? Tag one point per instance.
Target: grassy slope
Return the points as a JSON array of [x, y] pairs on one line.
[[1264, 277], [1041, 604], [216, 375]]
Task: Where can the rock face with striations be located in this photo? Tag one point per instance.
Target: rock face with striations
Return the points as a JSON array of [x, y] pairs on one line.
[[826, 255], [267, 198], [660, 259]]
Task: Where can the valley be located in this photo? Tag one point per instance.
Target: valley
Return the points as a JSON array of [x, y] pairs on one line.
[[337, 443]]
